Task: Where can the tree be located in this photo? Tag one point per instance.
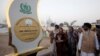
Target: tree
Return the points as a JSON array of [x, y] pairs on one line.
[[49, 21], [66, 23], [73, 22], [61, 24], [52, 24]]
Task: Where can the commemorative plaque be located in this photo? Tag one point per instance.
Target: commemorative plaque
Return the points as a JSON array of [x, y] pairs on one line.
[[22, 18], [27, 29]]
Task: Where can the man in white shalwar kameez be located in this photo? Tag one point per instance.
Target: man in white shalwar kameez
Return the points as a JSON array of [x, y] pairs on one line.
[[53, 40], [88, 42]]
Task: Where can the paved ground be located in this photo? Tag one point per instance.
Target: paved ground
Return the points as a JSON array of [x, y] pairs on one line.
[[46, 43], [6, 50]]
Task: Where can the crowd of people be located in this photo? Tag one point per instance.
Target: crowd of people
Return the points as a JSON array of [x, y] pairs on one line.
[[75, 42]]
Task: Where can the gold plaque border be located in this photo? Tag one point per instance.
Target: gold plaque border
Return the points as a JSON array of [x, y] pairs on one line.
[[35, 22]]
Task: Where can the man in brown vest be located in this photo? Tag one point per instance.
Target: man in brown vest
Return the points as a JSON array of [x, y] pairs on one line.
[[88, 42]]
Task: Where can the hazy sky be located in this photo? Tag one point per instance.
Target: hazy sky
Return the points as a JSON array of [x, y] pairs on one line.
[[69, 10], [64, 10], [3, 4]]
